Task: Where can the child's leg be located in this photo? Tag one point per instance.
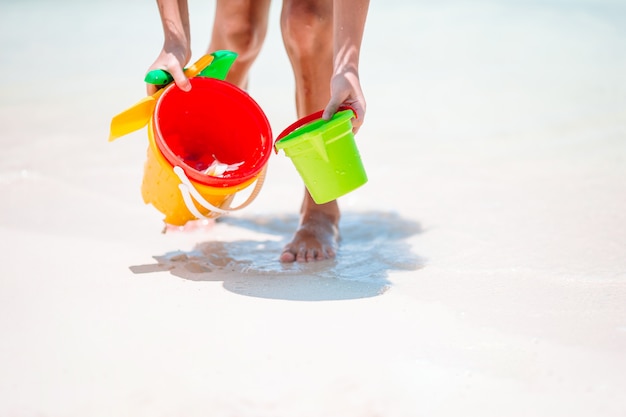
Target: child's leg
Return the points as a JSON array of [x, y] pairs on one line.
[[307, 33], [240, 26]]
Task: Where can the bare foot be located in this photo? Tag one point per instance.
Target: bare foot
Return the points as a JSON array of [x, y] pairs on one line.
[[315, 240]]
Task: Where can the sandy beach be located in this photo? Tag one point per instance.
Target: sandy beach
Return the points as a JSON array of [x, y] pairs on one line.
[[482, 269]]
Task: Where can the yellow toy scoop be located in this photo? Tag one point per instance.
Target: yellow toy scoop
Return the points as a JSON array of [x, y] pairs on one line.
[[137, 116]]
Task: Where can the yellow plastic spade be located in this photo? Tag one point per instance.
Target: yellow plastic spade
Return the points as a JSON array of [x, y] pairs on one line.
[[137, 116]]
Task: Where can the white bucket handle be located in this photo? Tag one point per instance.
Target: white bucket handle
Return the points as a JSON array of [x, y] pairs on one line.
[[189, 192]]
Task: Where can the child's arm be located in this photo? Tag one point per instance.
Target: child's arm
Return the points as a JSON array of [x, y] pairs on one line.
[[349, 24], [176, 50]]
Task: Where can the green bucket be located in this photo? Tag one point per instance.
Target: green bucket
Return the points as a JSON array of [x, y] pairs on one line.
[[324, 154]]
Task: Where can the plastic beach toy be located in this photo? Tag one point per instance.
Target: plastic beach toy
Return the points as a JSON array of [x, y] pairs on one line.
[[205, 145], [324, 154], [138, 115], [218, 69]]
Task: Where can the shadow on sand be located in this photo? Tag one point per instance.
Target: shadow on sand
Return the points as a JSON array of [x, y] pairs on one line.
[[372, 244]]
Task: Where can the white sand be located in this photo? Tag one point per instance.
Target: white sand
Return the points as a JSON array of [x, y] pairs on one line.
[[483, 267]]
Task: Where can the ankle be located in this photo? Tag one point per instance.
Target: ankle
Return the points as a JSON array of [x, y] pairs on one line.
[[324, 213]]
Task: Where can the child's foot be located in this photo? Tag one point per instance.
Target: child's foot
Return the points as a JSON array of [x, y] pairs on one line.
[[316, 239]]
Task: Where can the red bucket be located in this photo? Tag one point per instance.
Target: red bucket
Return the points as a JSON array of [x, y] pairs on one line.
[[216, 132]]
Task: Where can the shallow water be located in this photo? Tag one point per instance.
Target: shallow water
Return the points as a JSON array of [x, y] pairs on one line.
[[372, 245]]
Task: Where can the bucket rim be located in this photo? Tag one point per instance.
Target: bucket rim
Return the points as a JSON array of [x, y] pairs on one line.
[[313, 117]]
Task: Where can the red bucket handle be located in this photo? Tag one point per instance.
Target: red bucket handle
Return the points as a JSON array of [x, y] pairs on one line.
[[305, 120]]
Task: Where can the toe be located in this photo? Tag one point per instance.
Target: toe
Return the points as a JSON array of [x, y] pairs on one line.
[[287, 256], [301, 257]]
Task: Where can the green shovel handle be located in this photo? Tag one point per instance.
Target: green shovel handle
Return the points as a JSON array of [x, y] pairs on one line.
[[222, 61], [158, 77]]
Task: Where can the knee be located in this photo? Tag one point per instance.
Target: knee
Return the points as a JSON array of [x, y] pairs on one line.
[[307, 28], [242, 36]]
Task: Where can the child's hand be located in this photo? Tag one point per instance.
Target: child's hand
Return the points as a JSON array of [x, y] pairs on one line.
[[345, 89], [172, 60]]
